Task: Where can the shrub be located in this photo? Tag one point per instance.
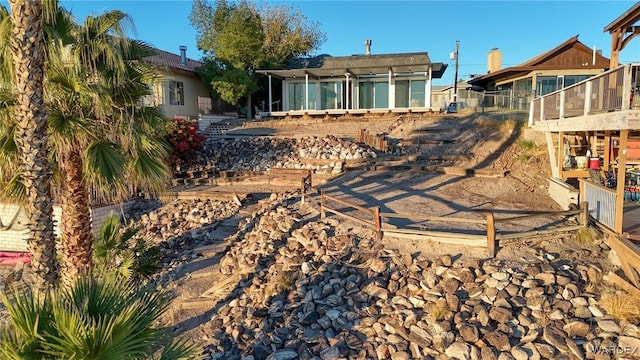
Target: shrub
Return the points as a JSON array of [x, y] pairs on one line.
[[621, 305], [116, 252], [104, 318], [185, 140]]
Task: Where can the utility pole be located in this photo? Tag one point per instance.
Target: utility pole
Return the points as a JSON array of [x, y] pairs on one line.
[[455, 81]]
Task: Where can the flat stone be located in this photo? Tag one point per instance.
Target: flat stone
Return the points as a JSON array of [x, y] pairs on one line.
[[499, 314], [400, 355], [546, 351], [596, 311], [450, 285], [577, 328], [283, 354], [555, 337], [330, 353], [609, 325], [575, 349], [630, 345], [532, 351], [497, 339], [531, 336], [488, 353], [582, 312], [469, 333], [459, 350], [519, 353], [546, 278]]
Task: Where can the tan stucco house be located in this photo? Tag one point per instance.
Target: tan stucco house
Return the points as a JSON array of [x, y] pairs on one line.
[[179, 91]]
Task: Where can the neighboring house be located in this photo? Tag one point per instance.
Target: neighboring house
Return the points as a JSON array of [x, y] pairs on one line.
[[564, 65], [354, 84], [179, 90], [442, 95]]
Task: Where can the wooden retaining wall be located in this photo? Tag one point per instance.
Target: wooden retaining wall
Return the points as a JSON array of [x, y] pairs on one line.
[[490, 238]]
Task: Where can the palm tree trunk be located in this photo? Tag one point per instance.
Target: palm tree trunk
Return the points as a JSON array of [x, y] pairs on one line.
[[27, 47], [75, 227]]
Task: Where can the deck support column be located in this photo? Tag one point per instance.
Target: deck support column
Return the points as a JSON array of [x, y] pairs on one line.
[[607, 151], [560, 154], [622, 165], [270, 97]]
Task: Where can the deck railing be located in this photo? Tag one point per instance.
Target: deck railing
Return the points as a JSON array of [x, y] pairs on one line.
[[602, 202], [601, 93]]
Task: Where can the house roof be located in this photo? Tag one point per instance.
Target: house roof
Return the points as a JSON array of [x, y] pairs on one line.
[[625, 20], [328, 66], [544, 61], [167, 59]]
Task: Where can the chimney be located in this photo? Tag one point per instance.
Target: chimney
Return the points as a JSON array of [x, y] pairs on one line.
[[183, 55], [367, 47], [494, 60]]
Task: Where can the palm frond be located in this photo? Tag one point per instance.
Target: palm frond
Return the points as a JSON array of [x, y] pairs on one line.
[[14, 189], [104, 165]]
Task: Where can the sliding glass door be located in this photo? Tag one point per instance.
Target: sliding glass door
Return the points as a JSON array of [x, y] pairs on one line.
[[410, 93], [373, 95]]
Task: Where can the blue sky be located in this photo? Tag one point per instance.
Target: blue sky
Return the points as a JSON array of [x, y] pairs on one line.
[[521, 29]]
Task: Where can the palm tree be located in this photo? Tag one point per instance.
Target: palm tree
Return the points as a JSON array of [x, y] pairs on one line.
[[103, 318], [30, 133], [104, 143]]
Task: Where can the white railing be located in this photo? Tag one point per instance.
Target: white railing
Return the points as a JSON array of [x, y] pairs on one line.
[[602, 202], [601, 93]]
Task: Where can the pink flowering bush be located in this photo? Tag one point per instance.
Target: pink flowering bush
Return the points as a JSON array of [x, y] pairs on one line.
[[186, 142]]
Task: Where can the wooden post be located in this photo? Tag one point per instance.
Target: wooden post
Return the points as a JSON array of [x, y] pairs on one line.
[[607, 151], [491, 235], [303, 189], [622, 169], [322, 213], [560, 154], [584, 206], [377, 222]]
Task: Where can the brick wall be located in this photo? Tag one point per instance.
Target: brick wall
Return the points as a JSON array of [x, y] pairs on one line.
[[13, 232]]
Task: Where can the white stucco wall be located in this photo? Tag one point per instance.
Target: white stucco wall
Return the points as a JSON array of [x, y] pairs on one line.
[[15, 238]]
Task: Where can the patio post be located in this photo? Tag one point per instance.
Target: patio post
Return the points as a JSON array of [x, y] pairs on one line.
[[346, 92], [270, 97], [306, 91]]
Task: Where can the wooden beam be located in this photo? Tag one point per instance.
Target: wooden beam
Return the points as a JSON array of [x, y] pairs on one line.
[[607, 150], [614, 279], [491, 236], [560, 153], [622, 169], [551, 149], [464, 239]]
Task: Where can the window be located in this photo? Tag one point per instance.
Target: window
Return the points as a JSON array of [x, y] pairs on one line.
[[297, 95], [330, 95], [410, 93], [176, 93]]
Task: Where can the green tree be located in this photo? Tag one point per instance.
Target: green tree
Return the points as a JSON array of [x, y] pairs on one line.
[[103, 318], [104, 144], [30, 132], [239, 38]]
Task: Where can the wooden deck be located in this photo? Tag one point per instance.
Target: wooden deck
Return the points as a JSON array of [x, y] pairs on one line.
[[613, 120]]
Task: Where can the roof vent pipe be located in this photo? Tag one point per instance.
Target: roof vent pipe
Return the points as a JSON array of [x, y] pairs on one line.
[[183, 55], [367, 47]]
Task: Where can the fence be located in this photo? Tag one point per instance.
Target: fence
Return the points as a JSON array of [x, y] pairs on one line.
[[377, 141], [490, 237], [602, 202], [609, 91]]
